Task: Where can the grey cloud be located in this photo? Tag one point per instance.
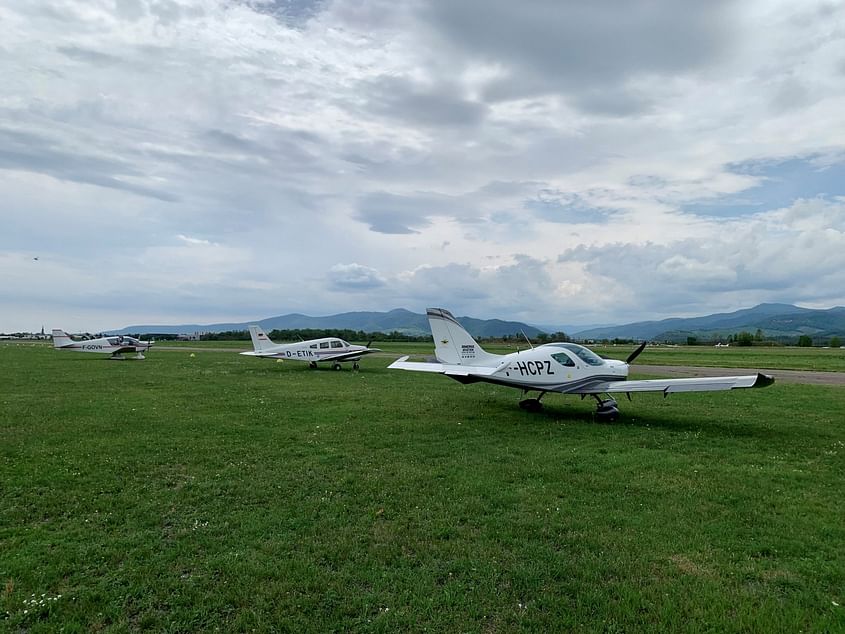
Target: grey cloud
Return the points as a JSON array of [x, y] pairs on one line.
[[428, 105], [392, 213], [88, 56], [790, 94], [132, 10], [613, 102], [514, 290], [32, 153], [567, 47]]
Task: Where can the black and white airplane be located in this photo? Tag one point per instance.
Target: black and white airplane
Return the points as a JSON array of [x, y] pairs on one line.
[[553, 367], [115, 345]]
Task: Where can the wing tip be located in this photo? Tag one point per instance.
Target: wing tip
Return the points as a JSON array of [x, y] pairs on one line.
[[763, 380], [398, 361]]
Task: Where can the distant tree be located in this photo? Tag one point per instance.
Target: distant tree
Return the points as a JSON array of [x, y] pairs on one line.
[[805, 341], [744, 338], [835, 342], [560, 336], [542, 336], [692, 341], [758, 336]]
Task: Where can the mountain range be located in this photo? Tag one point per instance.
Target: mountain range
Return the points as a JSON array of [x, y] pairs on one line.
[[776, 321], [397, 320]]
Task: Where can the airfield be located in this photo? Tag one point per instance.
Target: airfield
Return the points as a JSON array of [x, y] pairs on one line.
[[202, 490]]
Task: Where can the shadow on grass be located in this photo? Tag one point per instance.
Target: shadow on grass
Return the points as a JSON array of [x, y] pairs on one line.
[[683, 422]]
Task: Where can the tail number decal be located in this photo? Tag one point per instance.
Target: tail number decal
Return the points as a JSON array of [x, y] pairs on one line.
[[534, 368]]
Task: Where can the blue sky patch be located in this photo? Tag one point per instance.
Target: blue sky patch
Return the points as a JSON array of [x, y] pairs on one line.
[[783, 182]]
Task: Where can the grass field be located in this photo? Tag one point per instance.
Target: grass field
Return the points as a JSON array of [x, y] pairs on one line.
[[220, 492]]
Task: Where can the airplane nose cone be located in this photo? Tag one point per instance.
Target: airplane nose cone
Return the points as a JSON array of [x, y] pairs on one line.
[[618, 368]]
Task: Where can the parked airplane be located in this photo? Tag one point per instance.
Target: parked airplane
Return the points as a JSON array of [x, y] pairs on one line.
[[553, 367], [116, 345], [314, 350]]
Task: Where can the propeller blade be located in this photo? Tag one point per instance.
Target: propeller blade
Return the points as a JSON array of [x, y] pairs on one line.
[[635, 353], [369, 343]]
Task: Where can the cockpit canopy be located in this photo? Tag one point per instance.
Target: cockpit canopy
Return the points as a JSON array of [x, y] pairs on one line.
[[584, 354], [123, 340], [331, 343]]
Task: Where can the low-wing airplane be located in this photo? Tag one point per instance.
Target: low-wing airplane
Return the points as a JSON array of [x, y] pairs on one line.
[[116, 345], [553, 367], [326, 349]]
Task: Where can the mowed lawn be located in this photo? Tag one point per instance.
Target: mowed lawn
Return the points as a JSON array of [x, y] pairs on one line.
[[220, 492]]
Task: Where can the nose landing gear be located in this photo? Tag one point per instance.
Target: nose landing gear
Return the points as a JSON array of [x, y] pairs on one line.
[[606, 410]]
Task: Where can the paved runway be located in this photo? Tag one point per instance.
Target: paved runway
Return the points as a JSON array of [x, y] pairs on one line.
[[785, 376]]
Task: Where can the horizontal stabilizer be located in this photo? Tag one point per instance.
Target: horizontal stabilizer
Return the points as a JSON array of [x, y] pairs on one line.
[[441, 368]]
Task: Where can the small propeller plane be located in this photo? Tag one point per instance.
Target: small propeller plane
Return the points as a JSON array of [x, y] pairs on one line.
[[328, 349], [116, 344], [568, 368]]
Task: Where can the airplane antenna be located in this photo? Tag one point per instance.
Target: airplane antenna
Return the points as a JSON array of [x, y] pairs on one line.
[[527, 339]]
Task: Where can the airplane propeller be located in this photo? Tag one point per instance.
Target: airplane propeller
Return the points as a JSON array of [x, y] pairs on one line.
[[369, 343], [635, 353]]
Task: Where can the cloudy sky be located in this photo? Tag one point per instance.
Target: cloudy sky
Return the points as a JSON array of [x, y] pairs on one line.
[[171, 161]]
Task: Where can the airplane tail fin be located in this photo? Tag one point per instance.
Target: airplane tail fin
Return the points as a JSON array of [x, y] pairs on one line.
[[452, 343], [60, 338], [260, 340]]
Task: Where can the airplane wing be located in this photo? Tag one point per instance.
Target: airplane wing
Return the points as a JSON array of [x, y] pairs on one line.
[[442, 368], [670, 386], [343, 356]]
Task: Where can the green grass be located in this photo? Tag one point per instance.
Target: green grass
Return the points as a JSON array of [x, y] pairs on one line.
[[224, 492]]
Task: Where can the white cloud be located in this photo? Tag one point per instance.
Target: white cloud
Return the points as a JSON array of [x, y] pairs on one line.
[[219, 159]]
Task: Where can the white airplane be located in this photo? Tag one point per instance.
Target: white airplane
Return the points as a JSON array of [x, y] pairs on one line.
[[314, 350], [553, 367], [116, 345]]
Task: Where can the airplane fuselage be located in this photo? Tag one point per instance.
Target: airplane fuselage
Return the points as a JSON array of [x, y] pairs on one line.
[[114, 345], [313, 351], [551, 367]]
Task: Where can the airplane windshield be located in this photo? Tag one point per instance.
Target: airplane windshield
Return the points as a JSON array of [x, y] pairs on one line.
[[585, 354]]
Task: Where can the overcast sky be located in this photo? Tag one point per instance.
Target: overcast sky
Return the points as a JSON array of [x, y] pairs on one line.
[[171, 161]]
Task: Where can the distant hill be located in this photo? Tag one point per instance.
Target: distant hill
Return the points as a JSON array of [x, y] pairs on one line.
[[398, 320], [777, 321]]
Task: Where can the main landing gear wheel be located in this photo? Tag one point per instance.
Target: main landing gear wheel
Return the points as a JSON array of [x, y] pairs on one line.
[[532, 404], [336, 366], [606, 411], [312, 365], [355, 366]]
